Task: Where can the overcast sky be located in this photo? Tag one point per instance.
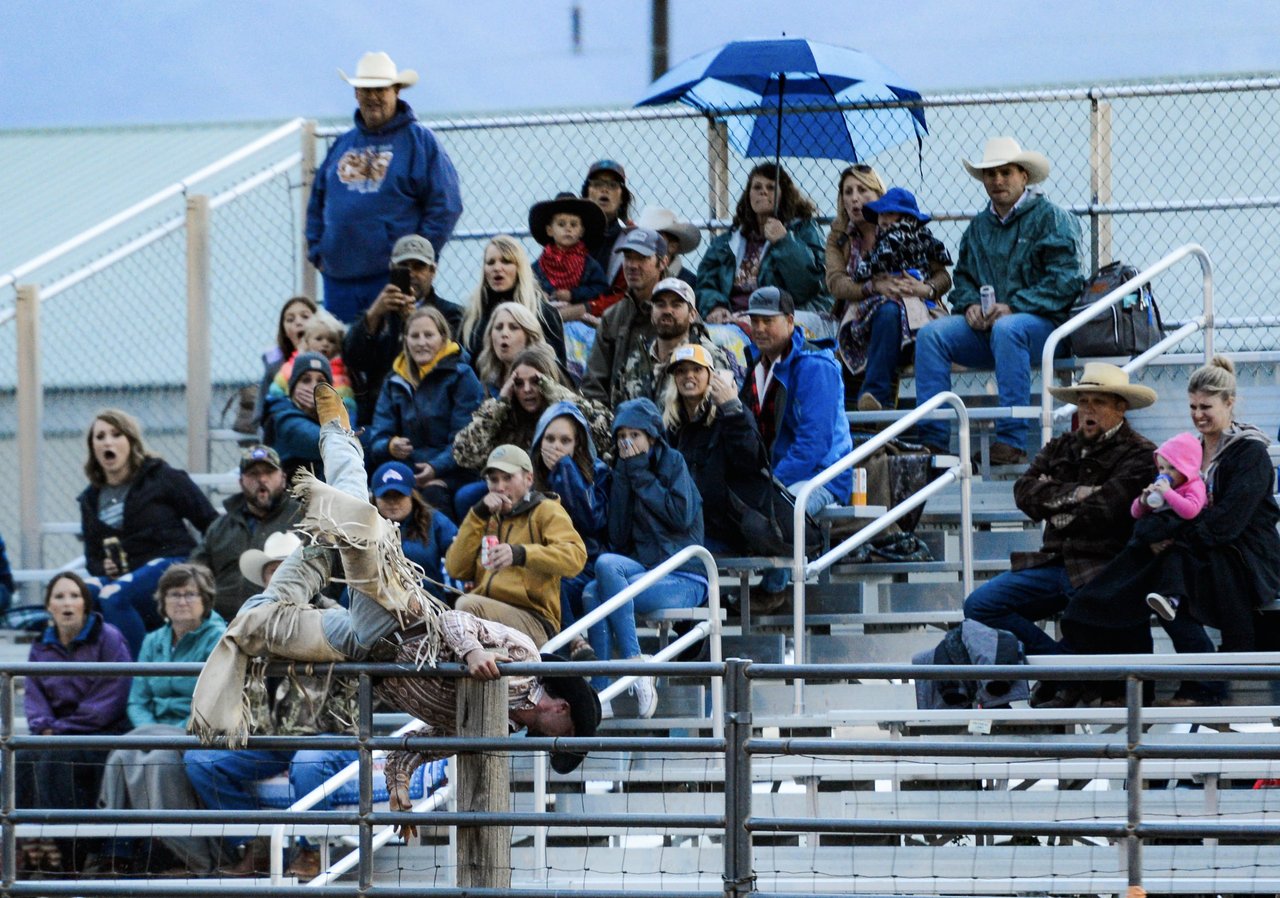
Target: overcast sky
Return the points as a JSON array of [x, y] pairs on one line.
[[70, 62]]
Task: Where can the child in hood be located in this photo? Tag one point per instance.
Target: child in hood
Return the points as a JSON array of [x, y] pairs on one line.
[[1178, 494], [904, 245]]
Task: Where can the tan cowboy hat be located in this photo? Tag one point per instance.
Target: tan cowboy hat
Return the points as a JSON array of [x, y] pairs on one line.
[[1006, 151], [377, 70], [278, 547], [656, 218], [1101, 377]]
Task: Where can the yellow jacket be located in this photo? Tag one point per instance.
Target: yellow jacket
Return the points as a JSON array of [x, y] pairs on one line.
[[545, 545]]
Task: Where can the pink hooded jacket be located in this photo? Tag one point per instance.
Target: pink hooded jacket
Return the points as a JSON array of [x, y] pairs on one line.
[[1184, 453]]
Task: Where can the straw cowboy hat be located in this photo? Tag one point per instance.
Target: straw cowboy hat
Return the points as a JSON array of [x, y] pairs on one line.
[[377, 70], [1101, 377], [1006, 151], [664, 221], [278, 547]]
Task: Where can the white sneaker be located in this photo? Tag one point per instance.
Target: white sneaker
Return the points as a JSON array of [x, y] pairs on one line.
[[1165, 606], [646, 696]]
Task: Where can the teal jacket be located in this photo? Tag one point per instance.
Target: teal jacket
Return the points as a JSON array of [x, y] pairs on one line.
[[168, 699], [796, 263], [1035, 260]]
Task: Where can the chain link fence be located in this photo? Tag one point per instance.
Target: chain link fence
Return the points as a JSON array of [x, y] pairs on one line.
[[1147, 168]]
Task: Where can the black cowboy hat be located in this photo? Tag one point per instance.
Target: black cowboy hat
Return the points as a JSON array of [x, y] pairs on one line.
[[584, 709], [592, 218]]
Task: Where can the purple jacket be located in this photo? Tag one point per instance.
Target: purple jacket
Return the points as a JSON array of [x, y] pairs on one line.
[[79, 705]]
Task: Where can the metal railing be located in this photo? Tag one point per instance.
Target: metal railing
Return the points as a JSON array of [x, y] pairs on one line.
[[1204, 322], [959, 472]]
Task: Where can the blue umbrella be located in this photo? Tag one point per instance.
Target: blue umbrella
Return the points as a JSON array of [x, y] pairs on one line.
[[792, 74]]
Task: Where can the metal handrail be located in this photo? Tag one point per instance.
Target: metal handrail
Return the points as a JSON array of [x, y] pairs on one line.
[[175, 189], [1203, 322], [959, 472]]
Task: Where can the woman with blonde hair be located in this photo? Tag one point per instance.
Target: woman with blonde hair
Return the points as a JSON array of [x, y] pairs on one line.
[[508, 276], [133, 519], [510, 330]]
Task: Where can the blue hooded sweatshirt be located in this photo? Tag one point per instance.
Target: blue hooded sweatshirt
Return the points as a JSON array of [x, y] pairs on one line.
[[587, 503], [375, 187], [812, 432], [654, 509]]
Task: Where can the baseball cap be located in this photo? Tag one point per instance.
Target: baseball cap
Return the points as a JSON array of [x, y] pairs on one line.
[[678, 287], [510, 459], [259, 454], [691, 352], [770, 301], [392, 477], [609, 165], [413, 247], [643, 241]]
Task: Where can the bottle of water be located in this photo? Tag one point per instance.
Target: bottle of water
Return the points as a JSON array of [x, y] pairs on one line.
[[1155, 499], [987, 297]]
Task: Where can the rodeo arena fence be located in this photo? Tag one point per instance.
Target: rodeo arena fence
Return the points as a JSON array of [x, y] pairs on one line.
[[778, 779]]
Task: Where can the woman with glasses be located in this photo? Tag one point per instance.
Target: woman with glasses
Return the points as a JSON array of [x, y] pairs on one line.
[[874, 330], [159, 706], [606, 186]]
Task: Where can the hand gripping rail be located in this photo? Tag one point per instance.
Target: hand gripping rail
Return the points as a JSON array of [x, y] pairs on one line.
[[1203, 322], [957, 473]]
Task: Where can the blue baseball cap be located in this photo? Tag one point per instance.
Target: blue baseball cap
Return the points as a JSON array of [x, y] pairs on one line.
[[393, 477]]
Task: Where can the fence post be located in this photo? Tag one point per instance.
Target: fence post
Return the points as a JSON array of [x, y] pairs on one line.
[[8, 782], [739, 876], [1133, 736], [717, 169], [199, 371], [308, 179], [1100, 181], [484, 852], [364, 731], [30, 424]]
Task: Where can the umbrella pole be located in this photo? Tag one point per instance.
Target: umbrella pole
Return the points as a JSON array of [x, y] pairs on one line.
[[777, 147]]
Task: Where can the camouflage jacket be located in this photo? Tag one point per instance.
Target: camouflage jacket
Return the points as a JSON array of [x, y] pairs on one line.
[[497, 422]]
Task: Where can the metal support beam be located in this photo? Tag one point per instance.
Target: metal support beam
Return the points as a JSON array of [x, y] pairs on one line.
[[308, 137], [30, 425], [739, 876], [199, 370]]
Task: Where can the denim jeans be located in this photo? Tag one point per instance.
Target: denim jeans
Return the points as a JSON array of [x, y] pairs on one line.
[[1011, 347], [614, 573], [223, 778], [1015, 600], [884, 346]]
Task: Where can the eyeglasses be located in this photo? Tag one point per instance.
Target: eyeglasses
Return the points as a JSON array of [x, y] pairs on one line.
[[176, 596]]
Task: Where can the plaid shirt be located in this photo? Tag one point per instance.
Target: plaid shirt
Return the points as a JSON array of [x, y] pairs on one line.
[[434, 700]]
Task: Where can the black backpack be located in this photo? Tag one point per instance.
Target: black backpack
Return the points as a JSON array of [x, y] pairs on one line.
[[1128, 328]]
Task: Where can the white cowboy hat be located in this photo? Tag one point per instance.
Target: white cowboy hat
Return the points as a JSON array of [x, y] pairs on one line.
[[278, 547], [1101, 377], [1006, 151], [656, 218], [377, 70]]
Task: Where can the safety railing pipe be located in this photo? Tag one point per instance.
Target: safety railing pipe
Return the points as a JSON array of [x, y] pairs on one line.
[[739, 875], [1133, 736], [1096, 309], [8, 783], [799, 570], [364, 875]]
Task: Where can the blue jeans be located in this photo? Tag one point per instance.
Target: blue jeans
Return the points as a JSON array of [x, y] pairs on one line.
[[776, 579], [614, 573], [222, 778], [1015, 600], [1011, 347], [884, 348], [129, 603]]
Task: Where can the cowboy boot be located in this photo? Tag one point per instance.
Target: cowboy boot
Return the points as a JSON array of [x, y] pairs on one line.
[[329, 407]]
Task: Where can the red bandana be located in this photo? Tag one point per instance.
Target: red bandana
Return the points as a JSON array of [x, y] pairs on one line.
[[563, 267]]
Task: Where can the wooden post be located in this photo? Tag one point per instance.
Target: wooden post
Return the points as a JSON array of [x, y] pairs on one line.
[[199, 371], [1100, 180], [30, 425], [484, 852], [308, 179], [717, 169]]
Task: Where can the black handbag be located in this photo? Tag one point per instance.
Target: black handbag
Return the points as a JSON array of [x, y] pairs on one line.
[[1128, 328]]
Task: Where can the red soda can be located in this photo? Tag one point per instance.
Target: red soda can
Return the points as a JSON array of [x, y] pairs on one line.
[[486, 545]]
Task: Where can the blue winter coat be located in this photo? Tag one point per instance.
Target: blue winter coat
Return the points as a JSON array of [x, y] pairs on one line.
[[295, 435], [167, 700], [430, 415], [654, 508], [427, 550], [373, 188], [587, 503], [812, 432], [796, 263]]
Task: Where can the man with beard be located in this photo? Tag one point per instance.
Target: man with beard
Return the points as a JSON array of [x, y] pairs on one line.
[[1080, 485], [261, 509], [673, 313]]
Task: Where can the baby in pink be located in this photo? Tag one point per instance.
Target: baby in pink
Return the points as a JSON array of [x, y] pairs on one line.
[[1183, 492]]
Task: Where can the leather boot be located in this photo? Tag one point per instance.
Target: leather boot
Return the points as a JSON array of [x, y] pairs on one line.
[[329, 407], [255, 861]]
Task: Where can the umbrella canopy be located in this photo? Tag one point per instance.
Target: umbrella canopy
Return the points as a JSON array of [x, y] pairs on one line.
[[792, 74]]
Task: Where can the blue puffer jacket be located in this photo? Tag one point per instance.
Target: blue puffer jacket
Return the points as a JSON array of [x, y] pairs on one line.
[[295, 435], [375, 187], [812, 432], [427, 550], [429, 415], [796, 263], [167, 700], [587, 503], [654, 509]]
